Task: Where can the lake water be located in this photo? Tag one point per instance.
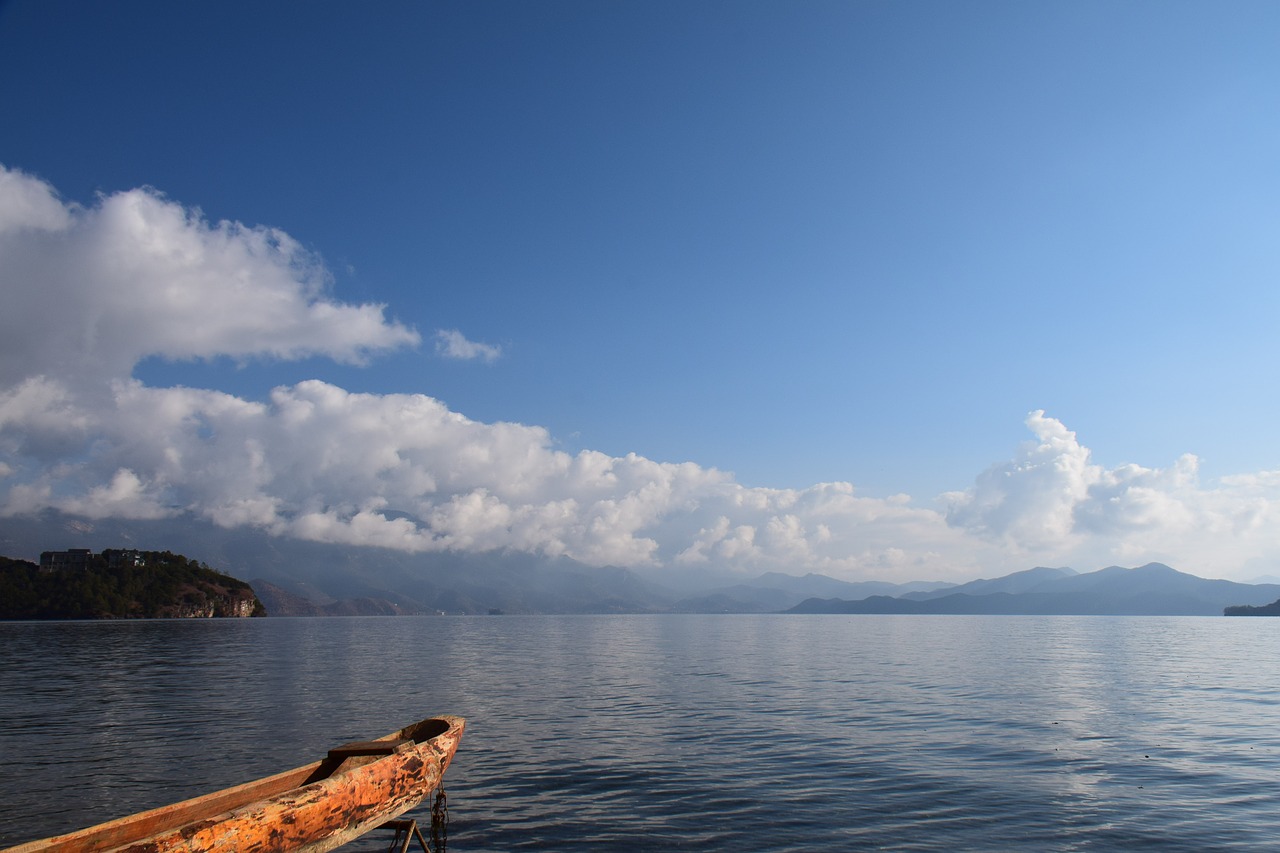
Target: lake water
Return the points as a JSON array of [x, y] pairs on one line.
[[680, 732]]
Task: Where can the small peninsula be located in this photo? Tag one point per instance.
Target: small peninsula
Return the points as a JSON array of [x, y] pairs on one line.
[[1272, 609], [120, 584]]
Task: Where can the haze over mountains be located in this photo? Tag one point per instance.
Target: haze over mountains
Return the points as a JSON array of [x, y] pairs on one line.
[[1150, 590], [298, 577]]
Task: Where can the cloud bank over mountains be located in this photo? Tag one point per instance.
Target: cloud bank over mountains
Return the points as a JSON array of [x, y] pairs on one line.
[[86, 292]]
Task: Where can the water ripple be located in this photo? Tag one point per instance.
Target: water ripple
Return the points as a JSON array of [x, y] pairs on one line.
[[682, 732]]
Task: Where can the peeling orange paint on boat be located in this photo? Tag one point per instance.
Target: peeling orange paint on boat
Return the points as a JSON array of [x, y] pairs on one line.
[[313, 808]]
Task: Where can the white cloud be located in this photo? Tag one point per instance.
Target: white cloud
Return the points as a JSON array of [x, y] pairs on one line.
[[1030, 501], [451, 343], [1052, 502], [85, 293], [125, 495], [28, 205], [322, 463]]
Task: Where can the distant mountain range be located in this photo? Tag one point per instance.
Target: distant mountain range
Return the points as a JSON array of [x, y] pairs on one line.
[[773, 592], [1150, 590], [295, 577]]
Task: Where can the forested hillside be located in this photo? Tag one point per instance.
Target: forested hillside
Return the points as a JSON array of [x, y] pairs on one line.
[[160, 585]]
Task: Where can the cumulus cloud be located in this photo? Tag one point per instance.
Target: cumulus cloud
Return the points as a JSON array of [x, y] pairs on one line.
[[1031, 500], [86, 292], [322, 463], [1052, 501], [30, 205], [451, 343]]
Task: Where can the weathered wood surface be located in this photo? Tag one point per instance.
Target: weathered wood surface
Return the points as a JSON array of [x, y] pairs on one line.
[[313, 808]]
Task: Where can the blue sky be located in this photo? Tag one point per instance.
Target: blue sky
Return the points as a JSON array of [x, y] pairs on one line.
[[798, 243]]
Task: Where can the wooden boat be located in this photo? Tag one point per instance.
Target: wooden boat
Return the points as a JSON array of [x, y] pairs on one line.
[[314, 808]]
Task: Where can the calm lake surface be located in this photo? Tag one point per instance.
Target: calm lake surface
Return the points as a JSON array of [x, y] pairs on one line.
[[680, 732]]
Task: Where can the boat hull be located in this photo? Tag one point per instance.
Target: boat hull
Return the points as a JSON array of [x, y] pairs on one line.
[[313, 808]]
